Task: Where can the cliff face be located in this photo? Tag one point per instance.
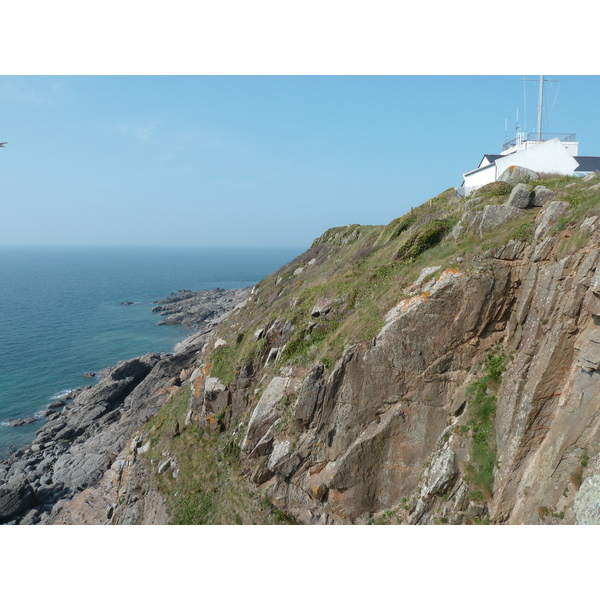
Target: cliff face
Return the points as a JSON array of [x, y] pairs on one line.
[[386, 433], [443, 369], [392, 431]]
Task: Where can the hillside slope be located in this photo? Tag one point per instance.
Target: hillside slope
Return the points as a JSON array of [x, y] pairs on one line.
[[440, 369]]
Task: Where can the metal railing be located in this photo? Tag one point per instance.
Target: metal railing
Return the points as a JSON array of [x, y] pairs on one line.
[[534, 137]]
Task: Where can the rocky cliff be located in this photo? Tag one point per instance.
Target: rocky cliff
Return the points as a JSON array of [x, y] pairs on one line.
[[440, 369]]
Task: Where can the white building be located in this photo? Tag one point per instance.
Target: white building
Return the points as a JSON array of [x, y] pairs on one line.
[[540, 152]]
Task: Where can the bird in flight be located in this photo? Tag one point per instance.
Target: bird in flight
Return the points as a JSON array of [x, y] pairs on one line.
[[2, 144]]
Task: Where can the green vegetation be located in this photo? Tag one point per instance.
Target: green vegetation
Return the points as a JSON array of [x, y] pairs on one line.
[[228, 359], [398, 226], [209, 487], [482, 413], [423, 239], [523, 232], [494, 190]]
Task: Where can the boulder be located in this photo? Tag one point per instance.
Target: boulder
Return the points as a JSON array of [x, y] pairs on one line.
[[471, 220], [541, 195], [549, 217], [495, 216], [520, 196], [16, 496], [265, 412], [515, 174]]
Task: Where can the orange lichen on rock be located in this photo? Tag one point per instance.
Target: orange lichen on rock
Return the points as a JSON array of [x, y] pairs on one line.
[[198, 383], [451, 271]]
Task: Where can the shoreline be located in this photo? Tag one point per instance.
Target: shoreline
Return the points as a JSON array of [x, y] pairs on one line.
[[73, 449], [191, 310]]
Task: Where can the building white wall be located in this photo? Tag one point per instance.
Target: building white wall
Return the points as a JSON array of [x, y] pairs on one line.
[[545, 157], [480, 177]]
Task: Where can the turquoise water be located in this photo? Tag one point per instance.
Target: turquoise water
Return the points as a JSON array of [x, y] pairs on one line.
[[60, 313]]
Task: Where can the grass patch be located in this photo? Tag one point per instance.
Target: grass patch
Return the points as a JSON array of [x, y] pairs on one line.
[[493, 190], [523, 232], [209, 488], [482, 414]]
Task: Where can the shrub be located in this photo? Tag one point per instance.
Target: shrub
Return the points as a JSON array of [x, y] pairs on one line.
[[398, 226], [423, 239], [496, 188]]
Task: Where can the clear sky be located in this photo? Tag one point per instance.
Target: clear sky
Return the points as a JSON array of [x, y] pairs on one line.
[[252, 160]]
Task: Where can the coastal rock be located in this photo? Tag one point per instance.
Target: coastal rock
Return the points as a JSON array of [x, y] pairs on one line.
[[196, 310], [20, 422], [16, 496], [77, 446]]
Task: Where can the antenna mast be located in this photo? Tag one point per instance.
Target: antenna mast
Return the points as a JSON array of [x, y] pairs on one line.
[[542, 80], [540, 108]]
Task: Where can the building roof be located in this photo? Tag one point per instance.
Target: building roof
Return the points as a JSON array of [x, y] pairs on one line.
[[588, 163], [491, 158]]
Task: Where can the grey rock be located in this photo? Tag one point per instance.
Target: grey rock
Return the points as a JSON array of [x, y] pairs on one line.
[[515, 174], [549, 217], [520, 196], [199, 309], [31, 518], [473, 203], [587, 501], [16, 496], [495, 216], [471, 220], [310, 396], [589, 223], [19, 422], [541, 195], [265, 412], [542, 251]]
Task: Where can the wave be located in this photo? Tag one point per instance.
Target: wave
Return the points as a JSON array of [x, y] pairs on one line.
[[62, 394]]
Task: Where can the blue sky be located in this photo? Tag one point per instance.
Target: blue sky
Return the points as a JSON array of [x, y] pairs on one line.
[[251, 160]]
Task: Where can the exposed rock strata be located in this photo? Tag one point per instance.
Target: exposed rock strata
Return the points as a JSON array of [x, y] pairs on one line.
[[382, 430]]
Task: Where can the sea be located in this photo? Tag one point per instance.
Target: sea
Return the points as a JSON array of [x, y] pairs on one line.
[[64, 312]]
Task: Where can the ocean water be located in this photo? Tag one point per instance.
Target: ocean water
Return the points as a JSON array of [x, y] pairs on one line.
[[61, 314]]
